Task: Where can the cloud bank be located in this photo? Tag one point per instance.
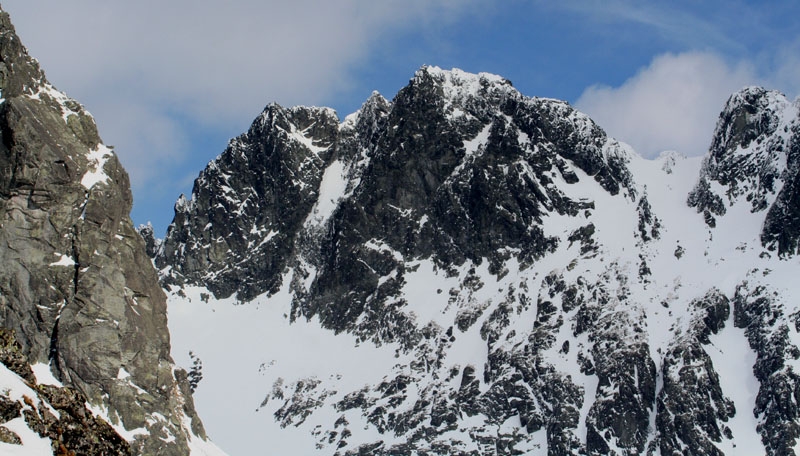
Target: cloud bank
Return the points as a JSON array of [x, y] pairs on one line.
[[672, 104], [719, 47]]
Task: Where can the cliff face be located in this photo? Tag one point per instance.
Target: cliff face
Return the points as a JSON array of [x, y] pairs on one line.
[[76, 284]]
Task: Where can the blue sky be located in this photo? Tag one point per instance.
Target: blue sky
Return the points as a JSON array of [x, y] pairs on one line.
[[170, 82]]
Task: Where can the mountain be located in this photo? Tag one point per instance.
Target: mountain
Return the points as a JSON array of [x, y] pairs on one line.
[[467, 270], [79, 298]]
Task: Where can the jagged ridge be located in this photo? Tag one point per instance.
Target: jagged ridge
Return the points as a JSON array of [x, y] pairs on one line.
[[537, 285]]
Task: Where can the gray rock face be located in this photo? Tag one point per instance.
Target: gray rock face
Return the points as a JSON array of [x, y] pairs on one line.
[[76, 285], [152, 244], [692, 410], [766, 319], [782, 224]]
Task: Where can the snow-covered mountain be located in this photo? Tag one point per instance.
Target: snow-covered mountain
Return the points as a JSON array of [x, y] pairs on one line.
[[467, 270], [460, 270]]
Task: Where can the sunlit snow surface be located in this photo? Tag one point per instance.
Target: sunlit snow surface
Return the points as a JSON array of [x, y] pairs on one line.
[[245, 349], [97, 161]]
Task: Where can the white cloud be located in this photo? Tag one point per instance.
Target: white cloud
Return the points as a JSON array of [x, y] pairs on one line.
[[212, 61], [672, 104], [786, 62], [147, 69]]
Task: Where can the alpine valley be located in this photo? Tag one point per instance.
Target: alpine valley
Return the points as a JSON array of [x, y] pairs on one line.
[[462, 270]]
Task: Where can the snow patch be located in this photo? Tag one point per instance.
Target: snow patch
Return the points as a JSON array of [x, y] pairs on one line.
[[332, 189], [733, 360], [98, 157], [44, 376], [233, 388], [63, 260], [15, 389]]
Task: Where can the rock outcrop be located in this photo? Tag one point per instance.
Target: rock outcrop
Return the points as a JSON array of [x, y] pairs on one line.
[[238, 231], [53, 412]]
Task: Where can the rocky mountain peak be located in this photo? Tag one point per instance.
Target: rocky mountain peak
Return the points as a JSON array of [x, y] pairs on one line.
[[753, 163], [368, 118], [19, 73], [458, 86], [152, 244], [309, 121], [451, 150], [748, 114], [249, 202]]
